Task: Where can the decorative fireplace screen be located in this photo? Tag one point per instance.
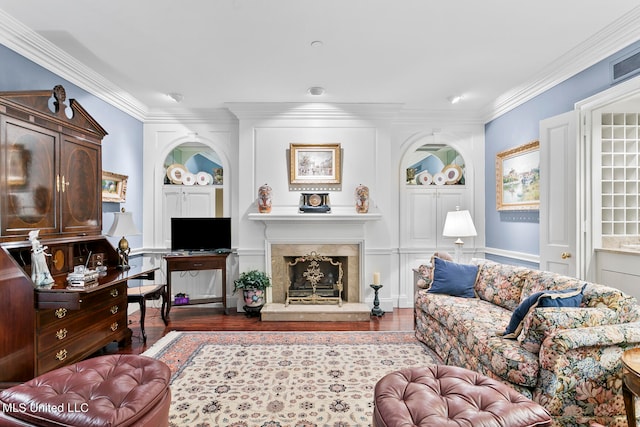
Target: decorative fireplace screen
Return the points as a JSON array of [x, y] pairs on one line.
[[314, 279]]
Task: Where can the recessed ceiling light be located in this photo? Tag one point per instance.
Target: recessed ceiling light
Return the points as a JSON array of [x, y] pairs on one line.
[[177, 97], [316, 90], [455, 99], [317, 43]]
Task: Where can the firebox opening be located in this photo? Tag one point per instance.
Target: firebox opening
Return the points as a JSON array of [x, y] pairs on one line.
[[346, 253], [316, 279]]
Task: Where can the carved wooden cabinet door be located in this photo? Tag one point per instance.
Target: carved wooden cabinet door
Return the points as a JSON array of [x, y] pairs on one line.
[[50, 166], [80, 186], [29, 155]]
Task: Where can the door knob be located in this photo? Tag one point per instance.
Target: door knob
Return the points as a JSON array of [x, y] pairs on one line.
[[565, 255]]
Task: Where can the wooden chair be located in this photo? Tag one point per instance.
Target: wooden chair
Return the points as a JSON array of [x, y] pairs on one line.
[[141, 294]]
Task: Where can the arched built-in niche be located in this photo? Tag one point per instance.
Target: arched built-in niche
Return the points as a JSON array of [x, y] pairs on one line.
[[193, 163], [436, 178], [188, 193], [435, 164]]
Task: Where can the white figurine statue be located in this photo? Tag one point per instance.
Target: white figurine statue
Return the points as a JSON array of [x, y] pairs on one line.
[[39, 269]]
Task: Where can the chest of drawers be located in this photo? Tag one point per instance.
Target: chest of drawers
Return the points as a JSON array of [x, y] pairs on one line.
[[72, 325]]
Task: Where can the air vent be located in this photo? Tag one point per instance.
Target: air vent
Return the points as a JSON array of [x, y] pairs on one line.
[[626, 67]]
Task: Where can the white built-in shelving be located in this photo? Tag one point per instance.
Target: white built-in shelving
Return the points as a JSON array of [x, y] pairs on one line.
[[620, 173]]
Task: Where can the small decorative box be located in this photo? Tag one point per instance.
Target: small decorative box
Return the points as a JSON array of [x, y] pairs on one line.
[[181, 299]]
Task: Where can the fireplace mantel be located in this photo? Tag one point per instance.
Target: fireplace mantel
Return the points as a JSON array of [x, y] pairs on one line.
[[337, 214], [341, 233]]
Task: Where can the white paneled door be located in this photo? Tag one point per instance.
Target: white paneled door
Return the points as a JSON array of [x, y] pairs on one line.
[[559, 222]]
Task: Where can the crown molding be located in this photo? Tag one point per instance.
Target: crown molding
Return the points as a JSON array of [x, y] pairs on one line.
[[418, 116], [221, 116], [26, 42], [316, 111], [606, 42]]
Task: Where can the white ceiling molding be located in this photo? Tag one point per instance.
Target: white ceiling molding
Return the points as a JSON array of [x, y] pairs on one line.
[[606, 42], [221, 116], [317, 111], [28, 43], [412, 116]]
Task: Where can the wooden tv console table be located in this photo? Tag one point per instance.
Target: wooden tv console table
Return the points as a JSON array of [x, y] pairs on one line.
[[196, 262]]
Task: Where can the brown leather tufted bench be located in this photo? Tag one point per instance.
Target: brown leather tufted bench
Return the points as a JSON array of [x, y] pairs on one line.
[[114, 390], [440, 396]]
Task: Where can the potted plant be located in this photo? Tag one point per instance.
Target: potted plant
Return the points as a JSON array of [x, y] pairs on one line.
[[253, 284]]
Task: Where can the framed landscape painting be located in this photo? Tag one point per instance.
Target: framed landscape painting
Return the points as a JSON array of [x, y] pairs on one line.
[[114, 187], [314, 163], [518, 178]]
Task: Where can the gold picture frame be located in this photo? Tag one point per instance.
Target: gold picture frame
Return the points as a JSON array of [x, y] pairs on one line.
[[114, 187], [314, 163], [518, 178]]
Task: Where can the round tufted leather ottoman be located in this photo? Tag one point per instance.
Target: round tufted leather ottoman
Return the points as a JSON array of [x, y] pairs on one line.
[[114, 390], [440, 396]]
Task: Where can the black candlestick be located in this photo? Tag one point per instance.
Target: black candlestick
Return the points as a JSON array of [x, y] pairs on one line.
[[376, 310]]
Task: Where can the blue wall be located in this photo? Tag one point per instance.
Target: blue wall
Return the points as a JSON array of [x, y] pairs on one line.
[[520, 231], [121, 149]]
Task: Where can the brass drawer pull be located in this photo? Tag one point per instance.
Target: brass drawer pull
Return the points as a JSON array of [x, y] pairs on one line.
[[61, 334], [114, 293], [62, 354], [114, 326], [61, 312], [114, 309]]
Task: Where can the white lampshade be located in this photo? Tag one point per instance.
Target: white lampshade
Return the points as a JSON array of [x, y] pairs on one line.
[[459, 224], [122, 225]]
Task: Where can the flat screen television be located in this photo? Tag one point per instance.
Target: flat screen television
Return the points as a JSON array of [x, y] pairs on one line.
[[200, 234]]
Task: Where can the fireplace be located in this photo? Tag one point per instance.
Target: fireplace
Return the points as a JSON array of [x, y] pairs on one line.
[[315, 279], [341, 235], [337, 273]]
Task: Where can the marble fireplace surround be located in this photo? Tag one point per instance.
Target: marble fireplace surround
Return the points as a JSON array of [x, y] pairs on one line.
[[340, 233], [281, 253]]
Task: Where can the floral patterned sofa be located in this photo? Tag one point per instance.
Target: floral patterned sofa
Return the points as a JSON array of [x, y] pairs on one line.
[[566, 359]]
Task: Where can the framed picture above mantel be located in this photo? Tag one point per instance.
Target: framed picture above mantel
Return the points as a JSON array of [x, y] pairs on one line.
[[314, 163], [518, 178]]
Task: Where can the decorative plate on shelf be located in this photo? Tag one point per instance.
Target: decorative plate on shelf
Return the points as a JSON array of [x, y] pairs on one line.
[[203, 178], [439, 178], [424, 178], [176, 172], [188, 179], [452, 173]]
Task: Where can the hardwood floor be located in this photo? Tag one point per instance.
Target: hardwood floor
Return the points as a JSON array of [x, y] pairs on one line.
[[198, 318]]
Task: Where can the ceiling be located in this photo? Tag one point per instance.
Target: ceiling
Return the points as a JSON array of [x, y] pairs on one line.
[[416, 53]]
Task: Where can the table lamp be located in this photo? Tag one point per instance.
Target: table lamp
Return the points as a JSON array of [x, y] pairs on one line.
[[459, 224], [123, 226]]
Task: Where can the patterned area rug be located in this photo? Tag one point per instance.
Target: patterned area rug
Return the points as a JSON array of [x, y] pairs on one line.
[[281, 379]]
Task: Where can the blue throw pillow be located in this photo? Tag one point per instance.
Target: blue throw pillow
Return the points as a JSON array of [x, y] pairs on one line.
[[559, 298], [517, 318], [453, 279], [566, 298]]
